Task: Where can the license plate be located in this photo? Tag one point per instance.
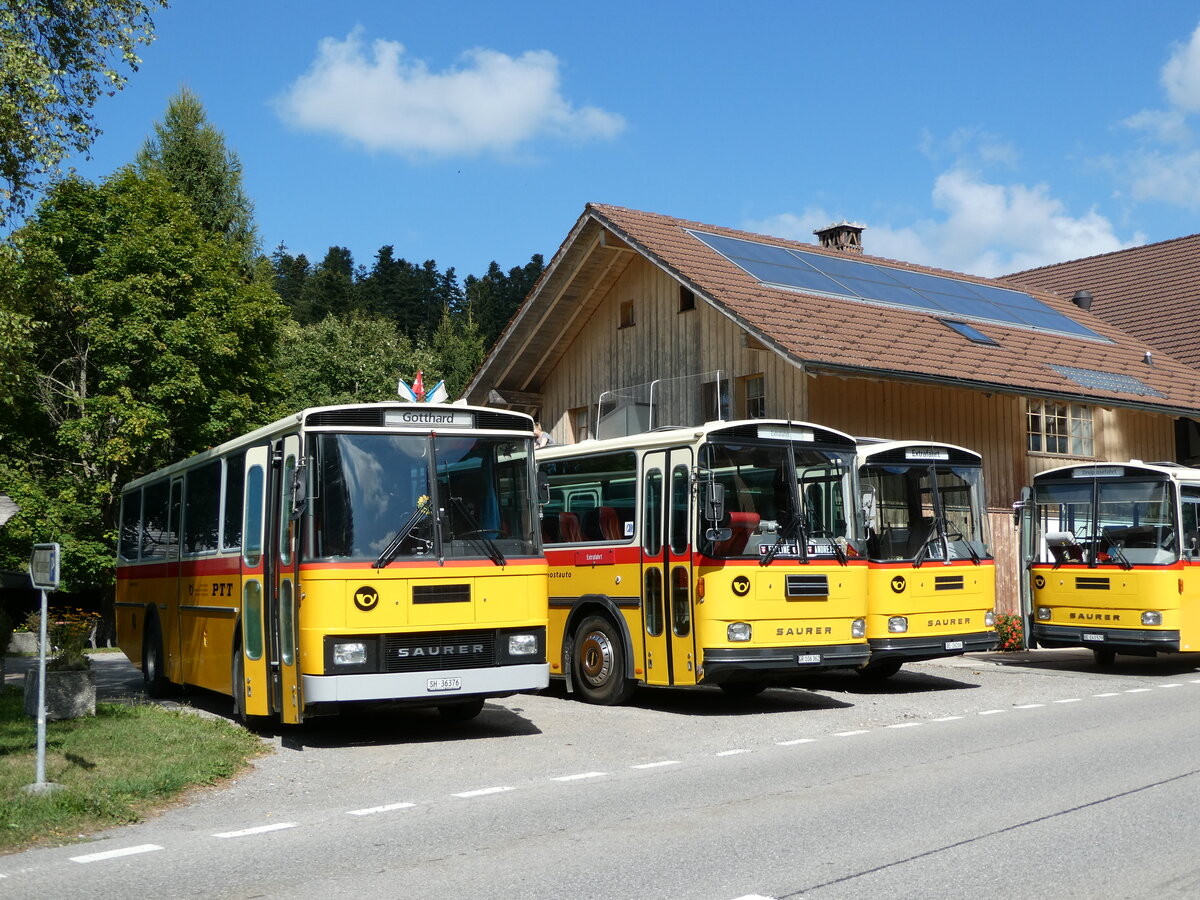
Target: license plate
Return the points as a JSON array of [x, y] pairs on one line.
[[808, 658], [444, 684], [953, 645], [1099, 638]]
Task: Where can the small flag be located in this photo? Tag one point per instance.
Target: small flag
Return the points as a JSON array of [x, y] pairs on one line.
[[405, 392], [438, 393], [418, 387]]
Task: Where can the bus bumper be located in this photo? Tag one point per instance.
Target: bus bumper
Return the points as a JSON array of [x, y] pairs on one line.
[[489, 682], [1125, 640], [932, 647], [772, 662]]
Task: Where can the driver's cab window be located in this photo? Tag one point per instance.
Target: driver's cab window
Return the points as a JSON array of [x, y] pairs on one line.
[[1190, 495]]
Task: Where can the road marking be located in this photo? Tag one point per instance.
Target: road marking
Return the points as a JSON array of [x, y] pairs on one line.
[[1071, 700], [733, 752], [1029, 706], [1173, 684], [795, 742], [371, 810], [946, 719], [906, 725], [261, 829], [1137, 690], [655, 765], [1108, 694], [484, 791], [850, 733], [991, 712], [580, 776], [113, 854]]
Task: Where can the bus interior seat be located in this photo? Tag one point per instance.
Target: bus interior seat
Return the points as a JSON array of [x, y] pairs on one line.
[[742, 524], [549, 528], [610, 525], [568, 528]]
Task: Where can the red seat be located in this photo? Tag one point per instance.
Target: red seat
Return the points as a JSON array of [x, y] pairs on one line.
[[568, 529], [742, 524], [610, 525]]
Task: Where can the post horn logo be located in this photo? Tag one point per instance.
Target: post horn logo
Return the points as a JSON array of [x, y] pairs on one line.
[[898, 584], [741, 585], [1039, 582], [366, 598]]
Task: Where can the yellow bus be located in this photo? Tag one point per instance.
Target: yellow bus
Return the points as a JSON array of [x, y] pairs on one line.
[[1116, 558], [931, 582], [379, 552], [725, 554]]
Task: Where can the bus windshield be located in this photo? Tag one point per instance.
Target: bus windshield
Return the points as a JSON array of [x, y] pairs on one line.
[[781, 500], [1098, 522], [925, 512], [380, 497]]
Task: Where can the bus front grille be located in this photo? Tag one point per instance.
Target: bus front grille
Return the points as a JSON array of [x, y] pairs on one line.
[[438, 650]]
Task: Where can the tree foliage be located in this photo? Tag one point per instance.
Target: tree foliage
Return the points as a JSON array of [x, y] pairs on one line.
[[496, 297], [56, 60], [144, 344], [191, 154]]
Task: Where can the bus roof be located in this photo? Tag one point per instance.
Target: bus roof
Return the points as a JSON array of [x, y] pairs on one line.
[[1173, 471], [869, 448]]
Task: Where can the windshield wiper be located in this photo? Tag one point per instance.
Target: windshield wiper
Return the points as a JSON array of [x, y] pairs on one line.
[[419, 515], [934, 528], [1114, 550], [792, 530], [493, 551]]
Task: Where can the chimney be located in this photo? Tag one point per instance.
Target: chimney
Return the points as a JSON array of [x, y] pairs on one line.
[[842, 236], [1082, 299]]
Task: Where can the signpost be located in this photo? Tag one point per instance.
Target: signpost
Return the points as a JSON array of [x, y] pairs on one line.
[[43, 573]]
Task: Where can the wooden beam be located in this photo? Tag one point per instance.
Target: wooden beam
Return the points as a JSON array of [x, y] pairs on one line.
[[515, 399]]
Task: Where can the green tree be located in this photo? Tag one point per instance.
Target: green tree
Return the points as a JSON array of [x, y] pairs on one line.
[[459, 349], [346, 359], [192, 155], [56, 60], [291, 274], [330, 289], [495, 297], [149, 341]]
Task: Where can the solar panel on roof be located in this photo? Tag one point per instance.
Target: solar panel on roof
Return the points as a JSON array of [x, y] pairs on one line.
[[865, 282], [1107, 381]]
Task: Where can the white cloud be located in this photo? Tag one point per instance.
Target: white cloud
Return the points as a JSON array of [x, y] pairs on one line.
[[986, 229], [384, 100], [1181, 75]]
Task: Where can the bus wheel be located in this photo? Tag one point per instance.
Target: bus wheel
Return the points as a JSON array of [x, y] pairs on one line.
[[461, 712], [878, 670], [598, 663], [742, 689], [1105, 657], [154, 662], [238, 689]]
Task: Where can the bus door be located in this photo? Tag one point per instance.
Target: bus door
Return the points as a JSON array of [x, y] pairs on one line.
[[250, 656], [285, 594], [169, 616], [668, 598]]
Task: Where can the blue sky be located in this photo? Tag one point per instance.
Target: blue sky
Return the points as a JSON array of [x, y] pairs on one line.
[[978, 139]]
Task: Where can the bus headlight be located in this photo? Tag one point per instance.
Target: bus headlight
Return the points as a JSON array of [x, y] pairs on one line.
[[858, 628], [1151, 618], [350, 653], [1043, 614], [738, 632], [989, 618], [898, 624], [522, 644]]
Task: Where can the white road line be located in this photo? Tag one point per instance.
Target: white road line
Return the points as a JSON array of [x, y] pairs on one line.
[[795, 742], [483, 792], [371, 810], [850, 733], [261, 829], [734, 752], [1137, 690], [906, 725], [113, 854], [1173, 684], [1070, 700], [991, 712], [581, 775], [1030, 706], [753, 897], [1108, 694], [655, 765], [946, 719]]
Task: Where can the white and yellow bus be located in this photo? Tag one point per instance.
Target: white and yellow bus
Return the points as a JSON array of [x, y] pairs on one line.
[[725, 554], [381, 552], [931, 576], [1116, 558]]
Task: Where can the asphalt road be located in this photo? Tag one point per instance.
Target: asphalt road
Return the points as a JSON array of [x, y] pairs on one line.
[[1001, 775]]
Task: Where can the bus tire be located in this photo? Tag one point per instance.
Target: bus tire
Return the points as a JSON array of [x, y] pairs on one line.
[[154, 661], [1105, 658], [879, 670], [461, 712], [238, 690], [598, 663]]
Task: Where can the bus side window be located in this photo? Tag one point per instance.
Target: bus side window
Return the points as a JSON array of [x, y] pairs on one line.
[[1191, 521]]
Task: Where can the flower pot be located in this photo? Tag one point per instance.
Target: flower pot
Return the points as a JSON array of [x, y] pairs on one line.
[[69, 695], [23, 642]]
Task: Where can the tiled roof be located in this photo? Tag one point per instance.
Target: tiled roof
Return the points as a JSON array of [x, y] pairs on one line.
[[1152, 292], [833, 333]]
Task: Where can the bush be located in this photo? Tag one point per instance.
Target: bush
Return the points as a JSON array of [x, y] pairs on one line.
[[1011, 631], [69, 631]]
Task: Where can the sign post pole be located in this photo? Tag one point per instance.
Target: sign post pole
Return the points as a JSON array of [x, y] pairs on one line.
[[43, 573]]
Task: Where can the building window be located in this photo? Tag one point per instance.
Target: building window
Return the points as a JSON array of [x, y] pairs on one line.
[[1062, 428], [579, 424], [687, 299], [626, 315], [754, 396]]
